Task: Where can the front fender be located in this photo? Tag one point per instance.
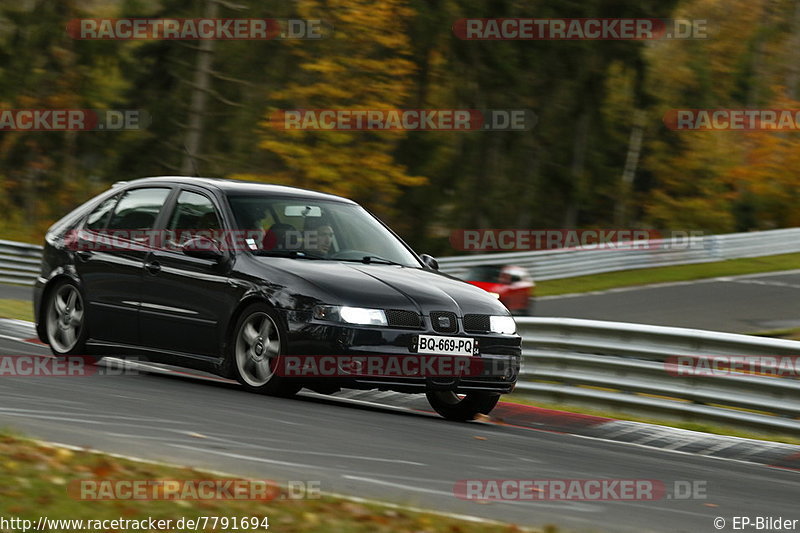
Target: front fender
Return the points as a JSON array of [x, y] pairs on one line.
[[41, 291]]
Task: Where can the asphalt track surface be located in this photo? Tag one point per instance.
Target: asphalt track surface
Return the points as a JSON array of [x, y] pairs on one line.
[[374, 451], [736, 304], [16, 292]]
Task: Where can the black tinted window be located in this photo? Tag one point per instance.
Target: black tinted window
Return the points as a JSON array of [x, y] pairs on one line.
[[193, 213], [98, 218], [138, 209]]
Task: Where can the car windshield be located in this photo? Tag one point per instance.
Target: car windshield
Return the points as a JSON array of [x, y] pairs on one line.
[[318, 229], [485, 274]]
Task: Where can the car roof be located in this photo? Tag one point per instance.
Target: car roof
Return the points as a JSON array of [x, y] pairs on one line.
[[239, 187]]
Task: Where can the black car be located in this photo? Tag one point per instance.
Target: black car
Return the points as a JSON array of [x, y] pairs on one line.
[[235, 277]]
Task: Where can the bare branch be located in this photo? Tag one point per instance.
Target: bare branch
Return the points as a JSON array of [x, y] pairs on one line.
[[219, 76], [230, 5], [215, 94]]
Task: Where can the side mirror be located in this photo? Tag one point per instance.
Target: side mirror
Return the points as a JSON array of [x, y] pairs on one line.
[[429, 261], [202, 248]]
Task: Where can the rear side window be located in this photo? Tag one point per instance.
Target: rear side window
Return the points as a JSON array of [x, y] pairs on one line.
[[138, 209], [193, 213], [98, 218]]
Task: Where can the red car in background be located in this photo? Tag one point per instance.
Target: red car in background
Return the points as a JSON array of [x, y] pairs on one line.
[[513, 285]]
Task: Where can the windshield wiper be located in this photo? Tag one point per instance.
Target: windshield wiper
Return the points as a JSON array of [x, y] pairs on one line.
[[291, 254], [367, 259]]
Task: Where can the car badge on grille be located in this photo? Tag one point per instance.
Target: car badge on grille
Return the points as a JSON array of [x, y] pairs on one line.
[[444, 322]]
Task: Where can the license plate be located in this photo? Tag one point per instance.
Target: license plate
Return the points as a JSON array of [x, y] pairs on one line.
[[435, 344]]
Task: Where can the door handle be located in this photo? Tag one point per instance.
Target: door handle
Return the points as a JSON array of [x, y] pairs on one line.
[[153, 267], [84, 255]]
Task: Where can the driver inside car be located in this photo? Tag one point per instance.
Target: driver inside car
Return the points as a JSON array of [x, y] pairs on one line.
[[324, 240]]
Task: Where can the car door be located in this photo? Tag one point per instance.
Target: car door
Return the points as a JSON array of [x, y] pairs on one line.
[[185, 299], [110, 251]]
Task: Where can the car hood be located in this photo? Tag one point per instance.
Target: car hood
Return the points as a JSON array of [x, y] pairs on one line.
[[388, 287]]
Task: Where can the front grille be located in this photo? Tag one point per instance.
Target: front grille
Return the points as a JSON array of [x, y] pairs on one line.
[[444, 321], [403, 319], [479, 323]]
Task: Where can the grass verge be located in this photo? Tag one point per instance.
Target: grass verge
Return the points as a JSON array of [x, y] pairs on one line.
[[792, 334], [19, 309], [34, 480], [646, 276], [693, 426]]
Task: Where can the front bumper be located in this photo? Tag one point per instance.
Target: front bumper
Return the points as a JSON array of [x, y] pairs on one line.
[[494, 369]]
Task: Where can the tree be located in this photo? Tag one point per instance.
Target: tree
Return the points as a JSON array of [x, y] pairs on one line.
[[43, 174], [725, 180], [364, 65]]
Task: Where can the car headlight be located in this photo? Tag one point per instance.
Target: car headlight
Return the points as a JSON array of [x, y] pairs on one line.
[[502, 324], [495, 294], [350, 315]]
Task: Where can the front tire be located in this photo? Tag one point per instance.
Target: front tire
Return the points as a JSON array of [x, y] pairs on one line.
[[255, 349], [461, 408], [65, 320]]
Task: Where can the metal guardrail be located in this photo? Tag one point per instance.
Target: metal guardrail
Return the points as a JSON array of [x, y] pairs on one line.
[[19, 262], [627, 366], [566, 263]]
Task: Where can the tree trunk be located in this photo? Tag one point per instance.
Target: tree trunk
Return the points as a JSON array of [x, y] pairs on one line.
[[197, 107], [793, 67], [577, 170], [629, 172]]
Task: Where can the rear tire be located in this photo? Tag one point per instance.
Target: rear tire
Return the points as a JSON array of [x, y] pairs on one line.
[[255, 350], [454, 407]]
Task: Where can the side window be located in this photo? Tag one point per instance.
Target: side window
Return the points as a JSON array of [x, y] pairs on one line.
[[193, 213], [138, 209], [98, 218]]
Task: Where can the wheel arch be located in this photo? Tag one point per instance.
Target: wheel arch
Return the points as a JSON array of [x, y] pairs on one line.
[[243, 304], [61, 275]]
